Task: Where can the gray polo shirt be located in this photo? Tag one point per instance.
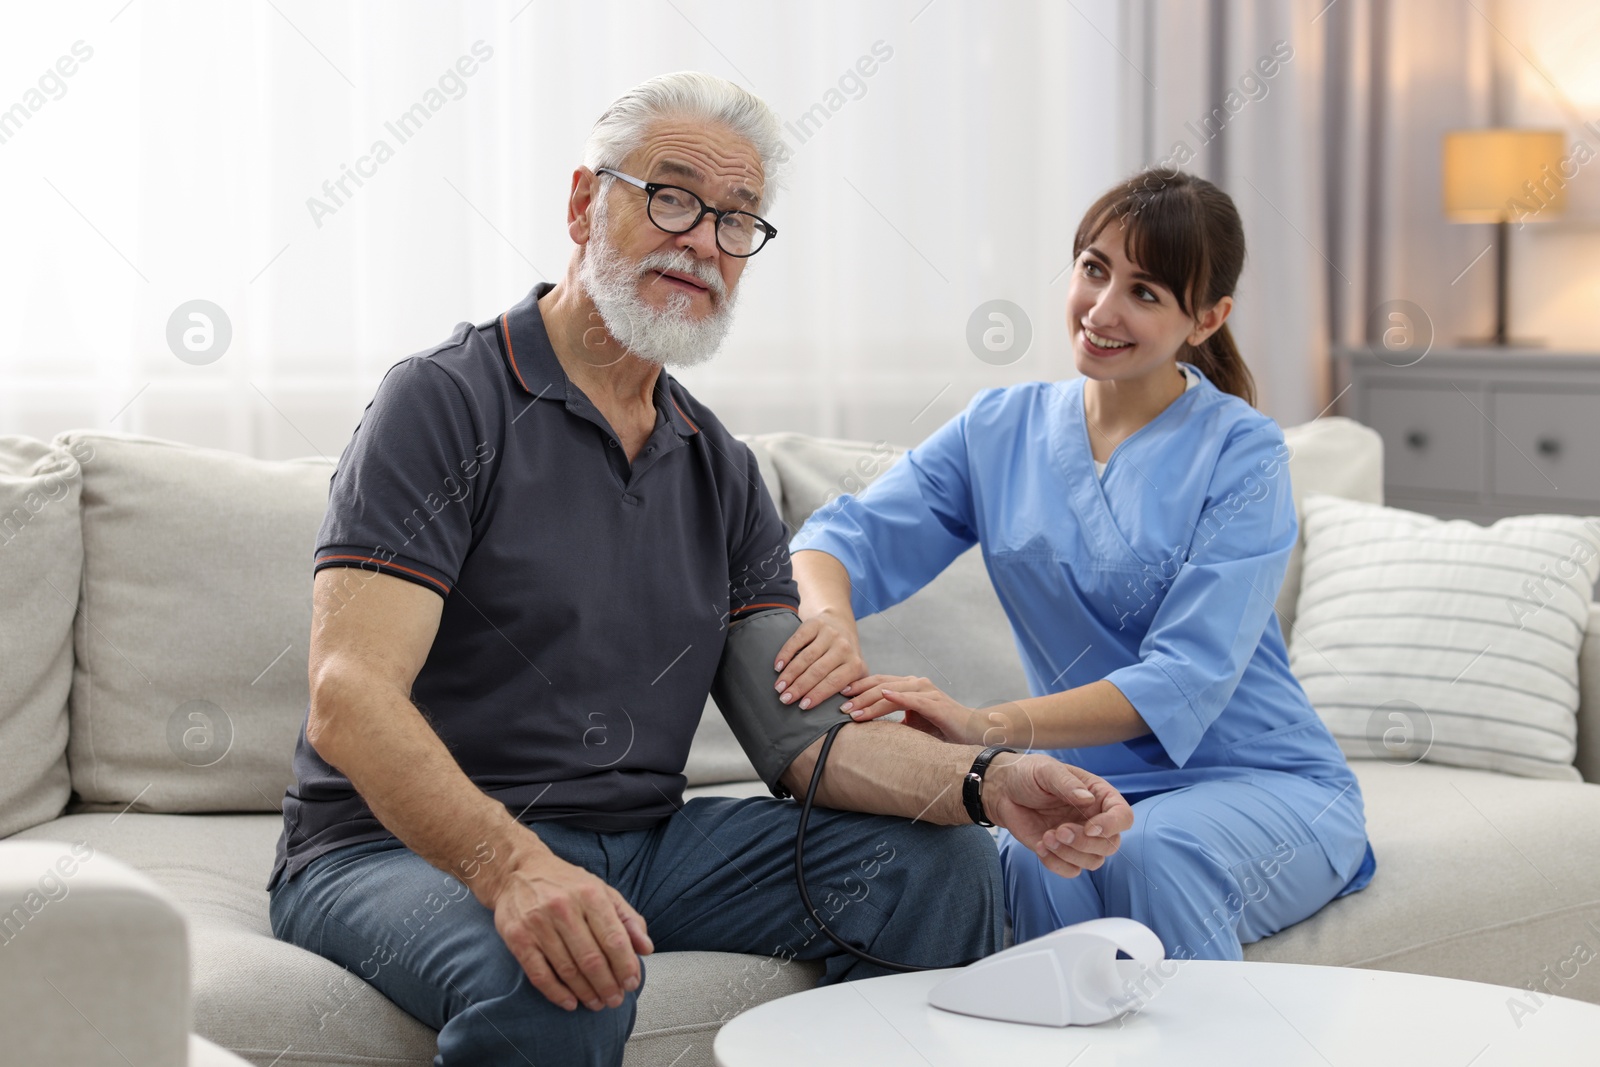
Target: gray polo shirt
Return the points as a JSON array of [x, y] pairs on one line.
[[586, 599]]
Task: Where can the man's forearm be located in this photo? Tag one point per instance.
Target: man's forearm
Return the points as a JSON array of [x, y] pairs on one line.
[[381, 742], [886, 768]]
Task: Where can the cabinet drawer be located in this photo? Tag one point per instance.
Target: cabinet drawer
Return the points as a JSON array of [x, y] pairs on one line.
[[1432, 439], [1548, 445]]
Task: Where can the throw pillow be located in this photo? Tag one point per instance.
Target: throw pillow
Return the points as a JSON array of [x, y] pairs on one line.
[[1422, 639]]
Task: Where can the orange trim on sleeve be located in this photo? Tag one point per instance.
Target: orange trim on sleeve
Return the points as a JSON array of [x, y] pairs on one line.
[[752, 607], [505, 331], [384, 563]]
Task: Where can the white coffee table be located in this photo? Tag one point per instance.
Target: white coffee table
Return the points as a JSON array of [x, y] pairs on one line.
[[1207, 1013]]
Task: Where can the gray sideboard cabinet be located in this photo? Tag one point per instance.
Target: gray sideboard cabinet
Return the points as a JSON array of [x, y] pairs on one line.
[[1480, 433]]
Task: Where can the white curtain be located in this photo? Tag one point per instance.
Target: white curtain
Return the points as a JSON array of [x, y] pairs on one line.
[[176, 160]]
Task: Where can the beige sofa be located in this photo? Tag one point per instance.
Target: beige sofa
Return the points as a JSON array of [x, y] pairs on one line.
[[154, 607]]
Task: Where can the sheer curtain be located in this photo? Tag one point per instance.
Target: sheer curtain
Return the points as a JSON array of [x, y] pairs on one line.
[[230, 153]]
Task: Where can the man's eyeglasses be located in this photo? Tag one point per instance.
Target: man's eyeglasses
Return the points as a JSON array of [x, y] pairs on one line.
[[675, 210]]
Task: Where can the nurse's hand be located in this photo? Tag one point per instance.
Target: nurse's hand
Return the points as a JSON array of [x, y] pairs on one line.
[[818, 659], [929, 709], [1070, 818]]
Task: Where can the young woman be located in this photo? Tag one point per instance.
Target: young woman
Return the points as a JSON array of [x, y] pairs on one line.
[[1136, 522]]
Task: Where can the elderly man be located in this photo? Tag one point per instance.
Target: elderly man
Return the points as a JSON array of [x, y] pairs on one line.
[[552, 538]]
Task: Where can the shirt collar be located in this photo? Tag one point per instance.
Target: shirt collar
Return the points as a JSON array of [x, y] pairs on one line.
[[533, 365]]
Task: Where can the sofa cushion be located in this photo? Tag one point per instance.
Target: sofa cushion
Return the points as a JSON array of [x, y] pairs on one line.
[[1481, 876], [272, 1002], [41, 556], [1446, 641], [189, 686]]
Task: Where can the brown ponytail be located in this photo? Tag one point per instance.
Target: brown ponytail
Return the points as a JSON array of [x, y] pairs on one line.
[[1186, 232], [1219, 360]]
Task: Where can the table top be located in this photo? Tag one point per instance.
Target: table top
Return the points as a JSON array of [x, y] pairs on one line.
[[1195, 1012]]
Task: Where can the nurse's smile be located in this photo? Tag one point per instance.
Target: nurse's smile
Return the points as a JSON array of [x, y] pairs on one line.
[[1102, 345]]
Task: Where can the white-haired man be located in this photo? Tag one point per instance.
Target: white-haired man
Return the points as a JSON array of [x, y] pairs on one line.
[[552, 538]]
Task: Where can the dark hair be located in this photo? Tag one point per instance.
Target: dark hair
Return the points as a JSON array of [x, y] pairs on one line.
[[1187, 233]]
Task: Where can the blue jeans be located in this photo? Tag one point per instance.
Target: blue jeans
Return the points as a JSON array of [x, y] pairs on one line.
[[716, 876]]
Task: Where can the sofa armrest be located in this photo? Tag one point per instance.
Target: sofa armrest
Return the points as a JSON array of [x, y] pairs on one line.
[[94, 960]]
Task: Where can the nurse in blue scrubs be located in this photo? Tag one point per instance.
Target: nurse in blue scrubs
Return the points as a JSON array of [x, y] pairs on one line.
[[1136, 522]]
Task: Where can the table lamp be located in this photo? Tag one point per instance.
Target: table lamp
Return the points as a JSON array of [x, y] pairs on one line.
[[1503, 176]]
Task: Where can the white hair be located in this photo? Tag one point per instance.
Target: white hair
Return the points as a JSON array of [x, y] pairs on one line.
[[693, 95]]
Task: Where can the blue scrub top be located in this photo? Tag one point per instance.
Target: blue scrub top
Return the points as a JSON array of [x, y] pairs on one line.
[[1159, 577]]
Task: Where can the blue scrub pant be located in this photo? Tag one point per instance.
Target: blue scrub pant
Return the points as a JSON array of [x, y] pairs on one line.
[[718, 875], [1208, 867]]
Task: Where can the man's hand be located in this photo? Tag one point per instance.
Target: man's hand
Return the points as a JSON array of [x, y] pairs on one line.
[[1070, 818], [816, 662], [575, 936]]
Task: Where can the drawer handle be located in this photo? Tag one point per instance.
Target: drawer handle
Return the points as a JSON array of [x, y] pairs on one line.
[[1549, 446], [1416, 440]]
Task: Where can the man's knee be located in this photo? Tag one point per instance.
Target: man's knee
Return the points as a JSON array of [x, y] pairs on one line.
[[519, 1025]]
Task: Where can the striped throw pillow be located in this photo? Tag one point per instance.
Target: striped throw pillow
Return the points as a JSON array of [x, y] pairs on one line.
[[1421, 639]]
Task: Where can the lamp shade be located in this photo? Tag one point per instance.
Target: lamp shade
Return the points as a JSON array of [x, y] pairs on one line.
[[1498, 175]]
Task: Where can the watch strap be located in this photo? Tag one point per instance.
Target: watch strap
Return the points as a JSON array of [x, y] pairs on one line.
[[972, 784]]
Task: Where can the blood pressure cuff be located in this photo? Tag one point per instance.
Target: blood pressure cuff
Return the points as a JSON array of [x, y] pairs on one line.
[[771, 733]]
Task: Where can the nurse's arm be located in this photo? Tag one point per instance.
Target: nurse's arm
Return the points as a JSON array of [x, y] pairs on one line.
[[1070, 818], [1088, 715], [1093, 714], [824, 654]]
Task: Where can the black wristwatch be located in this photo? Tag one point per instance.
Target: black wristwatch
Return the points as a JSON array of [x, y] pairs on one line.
[[972, 784]]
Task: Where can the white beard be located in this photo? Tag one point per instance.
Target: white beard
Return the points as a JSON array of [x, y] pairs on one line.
[[667, 336]]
